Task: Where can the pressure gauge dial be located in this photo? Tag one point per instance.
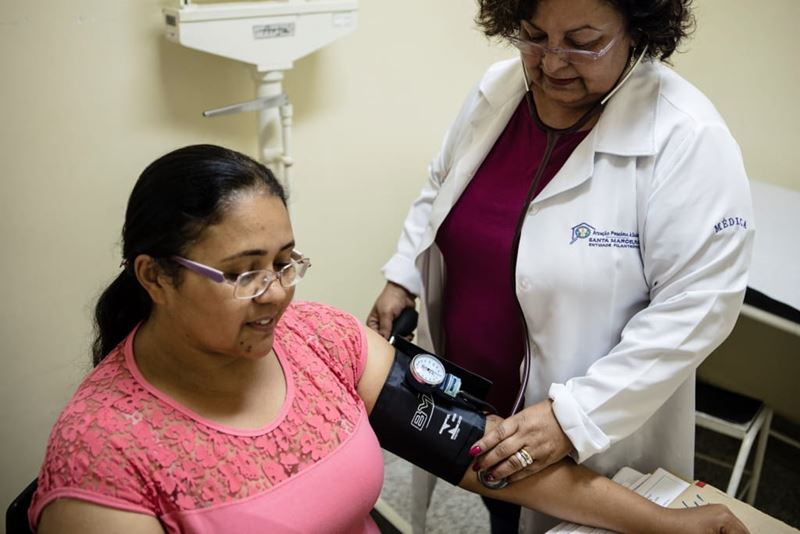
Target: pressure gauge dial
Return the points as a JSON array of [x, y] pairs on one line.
[[427, 369]]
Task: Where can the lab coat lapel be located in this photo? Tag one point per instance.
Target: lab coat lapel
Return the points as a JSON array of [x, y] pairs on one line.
[[577, 169], [484, 131], [501, 91], [620, 130]]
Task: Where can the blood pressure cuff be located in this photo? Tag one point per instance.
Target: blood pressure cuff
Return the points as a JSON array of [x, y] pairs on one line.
[[423, 428]]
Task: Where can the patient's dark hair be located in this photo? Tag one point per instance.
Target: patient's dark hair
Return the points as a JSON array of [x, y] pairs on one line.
[[174, 200], [659, 24]]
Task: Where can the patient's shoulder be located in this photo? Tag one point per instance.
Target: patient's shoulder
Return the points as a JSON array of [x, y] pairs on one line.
[[311, 329], [93, 453]]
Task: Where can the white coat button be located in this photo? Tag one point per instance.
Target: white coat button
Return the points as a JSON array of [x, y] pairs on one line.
[[533, 210], [525, 284]]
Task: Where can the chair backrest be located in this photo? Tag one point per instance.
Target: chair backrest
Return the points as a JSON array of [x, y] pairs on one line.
[[17, 513]]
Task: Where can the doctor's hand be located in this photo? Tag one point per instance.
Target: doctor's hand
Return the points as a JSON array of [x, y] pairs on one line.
[[534, 432], [392, 300]]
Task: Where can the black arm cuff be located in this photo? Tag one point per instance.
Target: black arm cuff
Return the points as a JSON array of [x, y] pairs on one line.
[[425, 429]]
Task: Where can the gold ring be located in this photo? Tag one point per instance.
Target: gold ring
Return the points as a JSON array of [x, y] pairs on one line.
[[524, 457]]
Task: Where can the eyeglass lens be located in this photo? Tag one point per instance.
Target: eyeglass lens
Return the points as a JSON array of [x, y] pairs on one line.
[[536, 52], [254, 283]]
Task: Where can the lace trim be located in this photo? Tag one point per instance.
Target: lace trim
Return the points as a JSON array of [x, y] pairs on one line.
[[118, 439]]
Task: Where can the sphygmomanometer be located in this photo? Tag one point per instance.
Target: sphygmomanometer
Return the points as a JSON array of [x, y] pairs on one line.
[[430, 411]]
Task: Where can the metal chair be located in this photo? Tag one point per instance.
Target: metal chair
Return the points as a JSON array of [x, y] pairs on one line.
[[740, 417], [17, 512]]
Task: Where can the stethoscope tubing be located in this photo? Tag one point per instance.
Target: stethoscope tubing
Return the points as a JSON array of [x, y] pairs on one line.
[[553, 135]]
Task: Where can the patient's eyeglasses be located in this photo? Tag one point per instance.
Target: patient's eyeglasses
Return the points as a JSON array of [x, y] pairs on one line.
[[252, 284], [536, 51]]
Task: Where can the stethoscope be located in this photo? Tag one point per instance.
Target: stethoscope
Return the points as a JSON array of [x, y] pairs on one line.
[[553, 134]]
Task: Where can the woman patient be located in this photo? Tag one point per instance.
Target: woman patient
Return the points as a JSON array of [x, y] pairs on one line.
[[218, 405]]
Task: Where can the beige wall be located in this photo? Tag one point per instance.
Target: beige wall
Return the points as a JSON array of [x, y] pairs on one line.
[[91, 93]]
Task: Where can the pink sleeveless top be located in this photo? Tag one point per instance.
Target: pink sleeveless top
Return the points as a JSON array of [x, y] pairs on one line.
[[317, 467]]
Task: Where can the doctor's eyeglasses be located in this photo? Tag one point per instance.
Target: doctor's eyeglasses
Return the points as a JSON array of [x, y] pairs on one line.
[[252, 284], [536, 51]]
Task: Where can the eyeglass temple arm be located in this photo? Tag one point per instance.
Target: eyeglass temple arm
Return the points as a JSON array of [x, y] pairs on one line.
[[204, 270]]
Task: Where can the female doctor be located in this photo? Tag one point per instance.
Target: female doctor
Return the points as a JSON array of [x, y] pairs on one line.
[[587, 221]]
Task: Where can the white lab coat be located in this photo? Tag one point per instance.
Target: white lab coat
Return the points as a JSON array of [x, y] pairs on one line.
[[632, 261]]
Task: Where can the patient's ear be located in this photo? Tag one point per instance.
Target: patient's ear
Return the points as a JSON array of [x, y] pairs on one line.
[[152, 278]]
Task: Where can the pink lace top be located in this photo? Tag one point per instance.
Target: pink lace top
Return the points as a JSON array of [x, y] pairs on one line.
[[317, 467]]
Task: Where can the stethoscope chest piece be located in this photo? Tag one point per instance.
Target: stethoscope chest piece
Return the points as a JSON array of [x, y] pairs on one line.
[[491, 484]]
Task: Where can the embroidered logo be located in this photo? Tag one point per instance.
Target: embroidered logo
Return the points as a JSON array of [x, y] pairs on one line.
[[729, 222], [604, 238], [581, 231]]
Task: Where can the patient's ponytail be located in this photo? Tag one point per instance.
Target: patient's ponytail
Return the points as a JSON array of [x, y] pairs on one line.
[[122, 305], [174, 200]]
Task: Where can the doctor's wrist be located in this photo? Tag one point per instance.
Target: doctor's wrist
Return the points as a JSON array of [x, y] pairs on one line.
[[393, 286]]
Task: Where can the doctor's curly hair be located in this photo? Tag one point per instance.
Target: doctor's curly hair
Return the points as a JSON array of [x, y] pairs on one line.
[[659, 24]]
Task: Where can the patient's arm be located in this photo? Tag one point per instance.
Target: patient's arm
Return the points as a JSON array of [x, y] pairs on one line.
[[71, 515], [577, 494], [567, 490]]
